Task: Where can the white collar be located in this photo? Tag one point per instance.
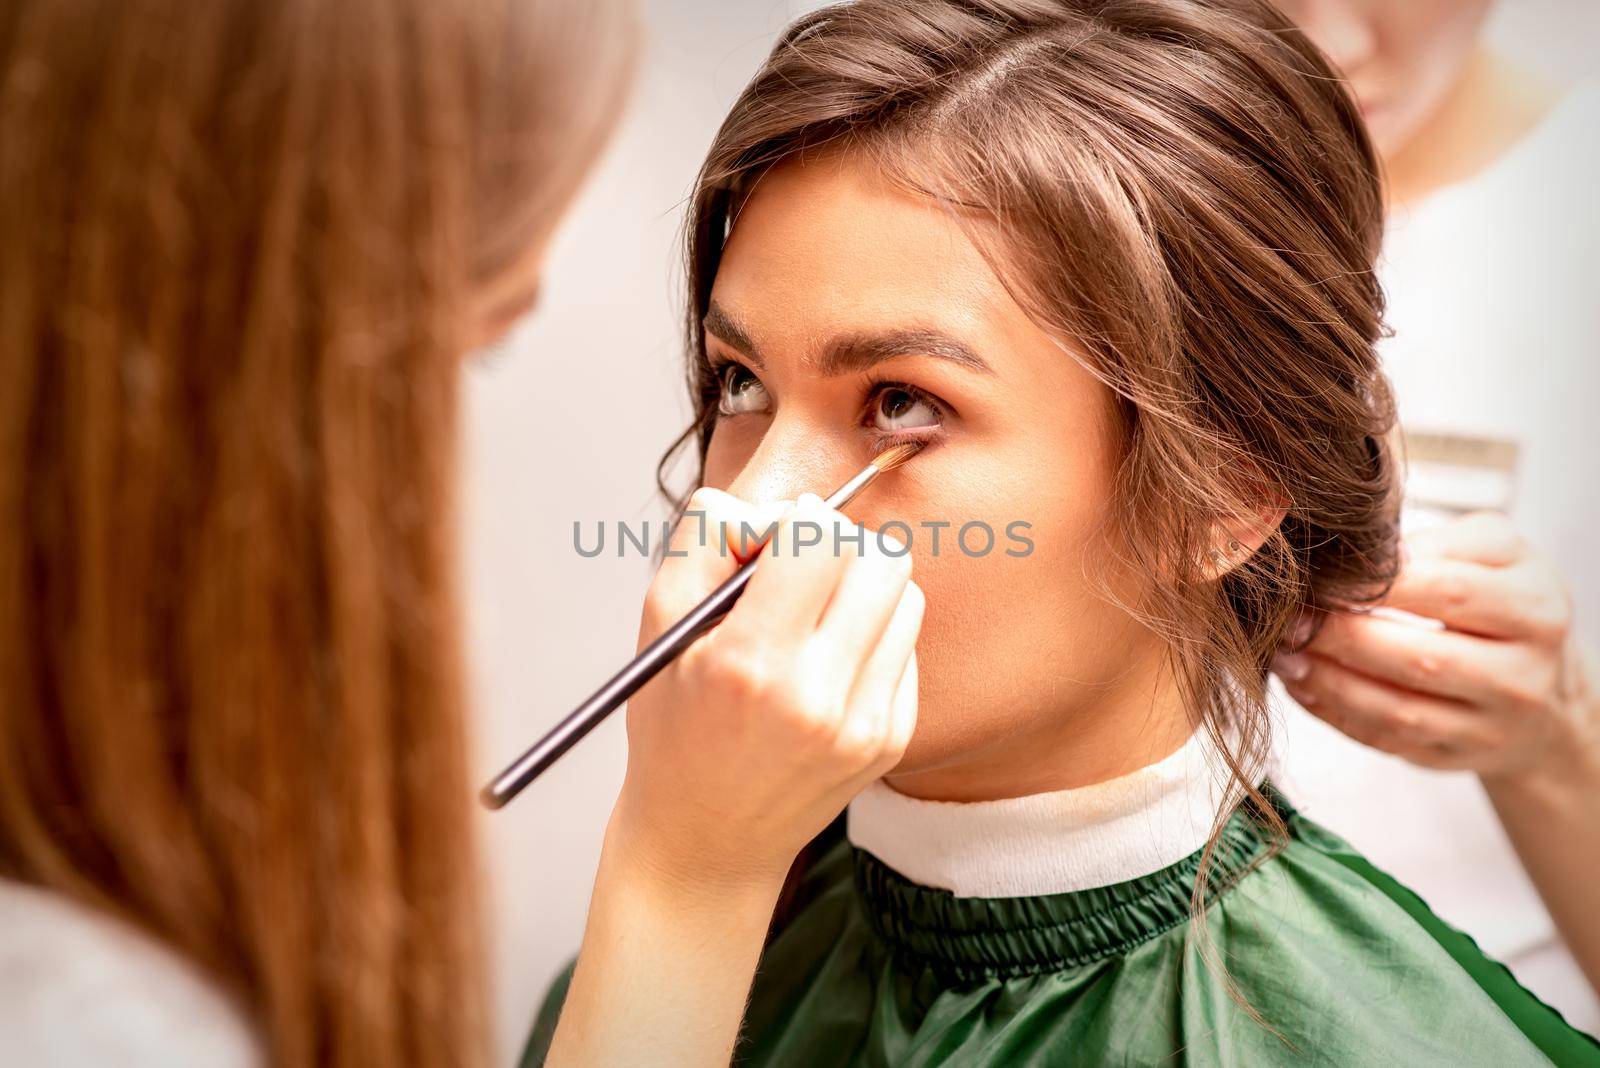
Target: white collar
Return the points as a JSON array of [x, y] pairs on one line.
[[1049, 843]]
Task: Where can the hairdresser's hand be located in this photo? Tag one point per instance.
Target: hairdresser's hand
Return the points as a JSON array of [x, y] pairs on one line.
[[1498, 685], [760, 733], [1501, 687]]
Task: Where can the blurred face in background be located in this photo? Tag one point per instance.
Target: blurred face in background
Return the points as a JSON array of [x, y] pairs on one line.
[[1402, 57]]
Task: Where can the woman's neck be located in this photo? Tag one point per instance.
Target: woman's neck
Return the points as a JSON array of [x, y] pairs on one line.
[[1493, 105], [1131, 725]]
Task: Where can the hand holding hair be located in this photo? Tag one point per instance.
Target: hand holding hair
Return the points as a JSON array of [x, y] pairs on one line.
[[1498, 687], [1502, 687]]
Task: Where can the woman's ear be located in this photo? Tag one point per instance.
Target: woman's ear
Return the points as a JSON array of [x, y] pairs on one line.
[[1237, 538]]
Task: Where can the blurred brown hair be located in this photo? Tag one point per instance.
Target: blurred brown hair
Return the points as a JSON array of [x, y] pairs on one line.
[[1187, 199], [241, 247]]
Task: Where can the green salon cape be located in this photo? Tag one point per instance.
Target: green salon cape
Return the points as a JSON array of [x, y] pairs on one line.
[[1343, 966]]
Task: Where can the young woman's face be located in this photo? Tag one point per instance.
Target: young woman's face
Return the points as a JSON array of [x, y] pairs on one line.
[[845, 313], [1401, 56]]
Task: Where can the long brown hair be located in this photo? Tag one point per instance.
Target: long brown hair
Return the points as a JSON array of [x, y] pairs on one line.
[[240, 245], [1187, 199]]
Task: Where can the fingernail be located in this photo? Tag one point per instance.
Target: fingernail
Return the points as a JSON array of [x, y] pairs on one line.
[[808, 500], [1291, 666], [1300, 630], [891, 545]]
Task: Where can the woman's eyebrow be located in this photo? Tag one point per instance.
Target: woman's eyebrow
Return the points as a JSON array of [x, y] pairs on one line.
[[854, 352], [857, 352], [727, 328]]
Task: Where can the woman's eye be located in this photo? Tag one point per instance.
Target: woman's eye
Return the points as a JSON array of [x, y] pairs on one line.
[[742, 391], [899, 408]]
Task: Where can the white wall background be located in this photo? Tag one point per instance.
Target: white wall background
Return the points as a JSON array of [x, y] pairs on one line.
[[568, 424]]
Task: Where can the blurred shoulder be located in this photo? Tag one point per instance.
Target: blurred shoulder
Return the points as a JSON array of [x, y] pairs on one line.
[[78, 987]]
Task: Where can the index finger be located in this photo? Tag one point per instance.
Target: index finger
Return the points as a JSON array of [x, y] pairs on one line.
[[722, 525], [1496, 602], [796, 577], [1486, 538], [1439, 663], [715, 535]]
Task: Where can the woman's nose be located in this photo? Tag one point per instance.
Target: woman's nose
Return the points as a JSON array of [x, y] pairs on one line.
[[793, 459], [1342, 29]]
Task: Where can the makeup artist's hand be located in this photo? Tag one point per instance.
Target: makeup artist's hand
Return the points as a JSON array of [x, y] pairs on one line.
[[739, 752], [757, 736], [1497, 685]]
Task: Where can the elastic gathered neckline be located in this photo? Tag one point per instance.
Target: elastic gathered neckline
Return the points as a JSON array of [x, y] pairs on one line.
[[970, 937]]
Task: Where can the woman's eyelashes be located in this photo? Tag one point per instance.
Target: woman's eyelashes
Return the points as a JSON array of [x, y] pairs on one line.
[[890, 408]]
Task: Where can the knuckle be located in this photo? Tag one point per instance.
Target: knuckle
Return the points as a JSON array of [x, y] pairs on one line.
[[822, 724], [702, 504], [856, 742], [1424, 667], [816, 663], [1421, 734], [810, 506], [816, 702], [1404, 723], [705, 499], [740, 673], [894, 742]]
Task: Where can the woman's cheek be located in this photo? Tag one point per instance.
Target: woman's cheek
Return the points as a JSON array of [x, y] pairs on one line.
[[732, 447]]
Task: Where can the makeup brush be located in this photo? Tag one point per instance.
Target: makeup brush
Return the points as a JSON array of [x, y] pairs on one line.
[[661, 652]]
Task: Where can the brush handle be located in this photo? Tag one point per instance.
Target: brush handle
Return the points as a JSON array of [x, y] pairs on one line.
[[623, 685], [641, 669]]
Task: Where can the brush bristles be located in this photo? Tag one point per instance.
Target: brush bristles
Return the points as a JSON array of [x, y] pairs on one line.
[[895, 455]]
